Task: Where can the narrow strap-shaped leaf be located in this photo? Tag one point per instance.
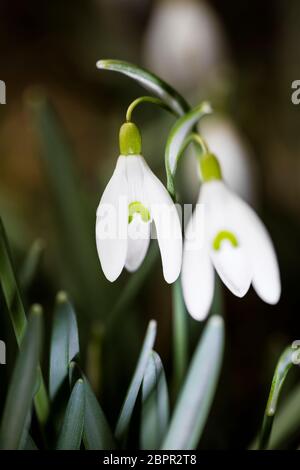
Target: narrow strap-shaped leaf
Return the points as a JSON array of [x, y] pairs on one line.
[[149, 81], [16, 311], [10, 287], [285, 362], [177, 135], [75, 373], [155, 404], [197, 393], [25, 432], [134, 387], [64, 343], [22, 385], [97, 434], [75, 221], [287, 421], [30, 444], [31, 263], [72, 428]]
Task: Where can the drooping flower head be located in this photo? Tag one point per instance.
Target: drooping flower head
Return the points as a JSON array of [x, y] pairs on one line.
[[134, 199], [229, 238]]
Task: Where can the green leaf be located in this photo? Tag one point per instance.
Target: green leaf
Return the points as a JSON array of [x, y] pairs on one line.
[[22, 385], [134, 387], [31, 263], [149, 81], [30, 444], [64, 343], [76, 227], [16, 311], [287, 421], [94, 356], [97, 434], [286, 360], [75, 373], [10, 287], [72, 428], [25, 433], [155, 404], [197, 393], [176, 138]]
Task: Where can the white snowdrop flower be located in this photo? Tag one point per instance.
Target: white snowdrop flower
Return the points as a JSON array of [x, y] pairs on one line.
[[233, 241], [132, 200], [184, 42]]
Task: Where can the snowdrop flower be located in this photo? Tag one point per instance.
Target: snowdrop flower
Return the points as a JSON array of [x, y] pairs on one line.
[[132, 200], [233, 240]]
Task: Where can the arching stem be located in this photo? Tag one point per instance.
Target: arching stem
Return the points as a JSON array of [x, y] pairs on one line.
[[195, 138], [146, 99]]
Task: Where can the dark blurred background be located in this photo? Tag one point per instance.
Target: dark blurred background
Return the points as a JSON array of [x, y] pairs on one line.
[[243, 57]]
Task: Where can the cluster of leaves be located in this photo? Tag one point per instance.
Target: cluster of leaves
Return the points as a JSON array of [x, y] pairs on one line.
[[80, 421]]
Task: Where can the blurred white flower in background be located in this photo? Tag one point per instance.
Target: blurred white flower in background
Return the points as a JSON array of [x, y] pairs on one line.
[[184, 43], [234, 154]]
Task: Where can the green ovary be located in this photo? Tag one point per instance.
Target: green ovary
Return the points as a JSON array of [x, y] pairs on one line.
[[224, 235], [137, 207], [130, 139], [210, 168]]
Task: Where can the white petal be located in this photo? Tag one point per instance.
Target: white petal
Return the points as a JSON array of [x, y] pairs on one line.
[[135, 178], [232, 263], [233, 267], [111, 223], [138, 243], [164, 213], [197, 275], [266, 276]]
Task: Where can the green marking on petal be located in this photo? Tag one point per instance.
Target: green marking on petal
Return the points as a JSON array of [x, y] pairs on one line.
[[224, 235], [210, 168], [137, 207]]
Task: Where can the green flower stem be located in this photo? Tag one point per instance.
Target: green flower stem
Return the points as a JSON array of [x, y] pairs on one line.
[[283, 366], [201, 149], [195, 138], [180, 336], [94, 357], [147, 99], [209, 165]]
